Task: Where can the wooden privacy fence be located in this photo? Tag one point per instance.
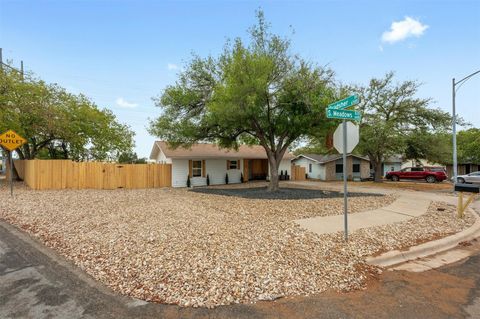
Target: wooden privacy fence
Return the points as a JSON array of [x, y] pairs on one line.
[[298, 173], [66, 174]]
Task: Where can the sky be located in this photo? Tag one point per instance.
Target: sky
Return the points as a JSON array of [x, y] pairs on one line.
[[122, 54]]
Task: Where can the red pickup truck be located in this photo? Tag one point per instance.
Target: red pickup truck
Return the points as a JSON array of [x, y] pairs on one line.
[[430, 174]]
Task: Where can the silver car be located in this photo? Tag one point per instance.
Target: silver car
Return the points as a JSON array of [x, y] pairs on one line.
[[473, 177]]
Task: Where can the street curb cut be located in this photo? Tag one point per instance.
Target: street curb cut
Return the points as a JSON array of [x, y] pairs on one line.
[[395, 257]]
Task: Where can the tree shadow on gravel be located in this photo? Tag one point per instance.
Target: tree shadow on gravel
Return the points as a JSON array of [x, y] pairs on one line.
[[283, 193]]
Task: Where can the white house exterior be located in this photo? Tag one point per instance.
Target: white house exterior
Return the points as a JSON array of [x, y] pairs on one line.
[[202, 160], [392, 163], [330, 167]]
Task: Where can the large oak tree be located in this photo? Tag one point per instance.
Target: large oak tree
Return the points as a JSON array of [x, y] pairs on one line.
[[391, 115], [254, 93]]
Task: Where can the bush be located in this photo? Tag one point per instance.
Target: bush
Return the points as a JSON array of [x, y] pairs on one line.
[[226, 178], [241, 178], [188, 181], [208, 180]]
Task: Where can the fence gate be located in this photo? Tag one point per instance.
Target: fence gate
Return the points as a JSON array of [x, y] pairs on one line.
[[298, 173]]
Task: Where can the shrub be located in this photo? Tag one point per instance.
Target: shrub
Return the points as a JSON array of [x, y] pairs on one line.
[[188, 181], [226, 178], [208, 180]]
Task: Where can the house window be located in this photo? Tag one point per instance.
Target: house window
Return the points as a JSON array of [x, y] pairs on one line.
[[356, 168], [197, 168], [310, 168], [339, 168], [233, 165]]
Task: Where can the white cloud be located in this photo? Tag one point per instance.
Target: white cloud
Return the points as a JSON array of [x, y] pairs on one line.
[[400, 30], [123, 103], [172, 66]]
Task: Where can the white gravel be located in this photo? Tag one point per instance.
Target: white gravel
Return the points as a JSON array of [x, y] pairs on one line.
[[191, 249]]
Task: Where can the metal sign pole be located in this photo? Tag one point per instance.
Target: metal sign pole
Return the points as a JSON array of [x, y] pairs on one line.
[[345, 210], [11, 173]]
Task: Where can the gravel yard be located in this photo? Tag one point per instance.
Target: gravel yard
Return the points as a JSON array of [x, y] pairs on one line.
[[188, 248]]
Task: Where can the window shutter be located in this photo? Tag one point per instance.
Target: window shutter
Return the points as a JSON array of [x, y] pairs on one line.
[[203, 168], [228, 164], [190, 168]]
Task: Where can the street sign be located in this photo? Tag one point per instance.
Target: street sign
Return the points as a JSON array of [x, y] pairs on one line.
[[11, 140], [353, 137], [345, 103], [343, 114]]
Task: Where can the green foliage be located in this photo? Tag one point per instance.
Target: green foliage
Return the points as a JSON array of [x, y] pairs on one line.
[[468, 146], [314, 146], [131, 158], [58, 124], [255, 93], [391, 114], [434, 147]]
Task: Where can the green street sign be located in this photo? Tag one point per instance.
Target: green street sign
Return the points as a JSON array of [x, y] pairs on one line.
[[343, 104], [343, 114]]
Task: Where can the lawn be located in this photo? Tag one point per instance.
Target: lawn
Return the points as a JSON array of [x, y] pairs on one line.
[[202, 249]]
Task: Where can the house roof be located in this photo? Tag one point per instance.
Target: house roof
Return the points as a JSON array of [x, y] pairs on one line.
[[327, 158], [206, 150]]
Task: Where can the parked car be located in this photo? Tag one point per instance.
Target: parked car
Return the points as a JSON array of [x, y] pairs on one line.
[[473, 177], [430, 174]]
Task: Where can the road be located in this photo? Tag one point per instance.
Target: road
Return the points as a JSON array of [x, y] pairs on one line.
[[35, 282]]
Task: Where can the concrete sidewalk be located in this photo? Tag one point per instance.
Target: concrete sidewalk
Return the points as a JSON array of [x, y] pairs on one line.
[[408, 205]]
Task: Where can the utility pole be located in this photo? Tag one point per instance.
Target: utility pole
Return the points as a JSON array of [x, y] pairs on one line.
[[454, 121], [10, 153], [454, 132]]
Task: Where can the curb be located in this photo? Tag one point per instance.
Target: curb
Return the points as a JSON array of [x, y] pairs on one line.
[[395, 257]]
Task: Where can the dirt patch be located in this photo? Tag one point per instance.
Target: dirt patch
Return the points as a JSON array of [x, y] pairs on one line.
[[411, 185]]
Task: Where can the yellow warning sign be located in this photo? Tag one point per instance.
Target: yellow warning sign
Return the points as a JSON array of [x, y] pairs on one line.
[[11, 140]]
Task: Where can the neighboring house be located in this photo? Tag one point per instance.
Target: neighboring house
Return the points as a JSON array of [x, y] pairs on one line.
[[392, 163], [419, 163], [330, 167], [463, 168], [205, 159]]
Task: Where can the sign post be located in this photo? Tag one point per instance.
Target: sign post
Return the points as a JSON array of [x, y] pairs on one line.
[[345, 139], [345, 199], [11, 141]]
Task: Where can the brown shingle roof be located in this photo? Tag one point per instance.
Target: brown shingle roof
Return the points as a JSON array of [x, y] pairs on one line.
[[204, 150]]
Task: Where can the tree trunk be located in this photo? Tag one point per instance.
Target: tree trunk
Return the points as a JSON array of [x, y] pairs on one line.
[[377, 166], [273, 163]]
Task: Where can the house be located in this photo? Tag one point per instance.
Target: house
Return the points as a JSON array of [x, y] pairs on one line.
[[330, 167], [463, 168], [392, 163], [202, 160], [419, 163]]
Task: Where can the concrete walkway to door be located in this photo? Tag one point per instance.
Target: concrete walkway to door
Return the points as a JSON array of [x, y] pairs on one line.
[[408, 205]]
